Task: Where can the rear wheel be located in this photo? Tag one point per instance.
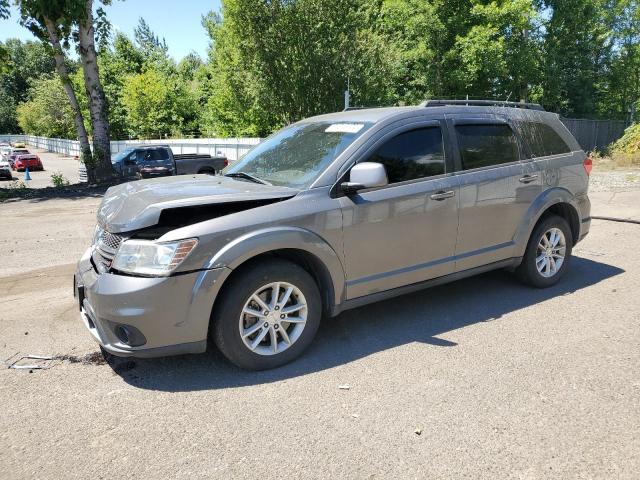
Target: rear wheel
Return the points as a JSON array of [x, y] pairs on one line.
[[267, 316], [548, 253]]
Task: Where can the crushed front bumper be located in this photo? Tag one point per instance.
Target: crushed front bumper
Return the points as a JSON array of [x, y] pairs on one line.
[[146, 317]]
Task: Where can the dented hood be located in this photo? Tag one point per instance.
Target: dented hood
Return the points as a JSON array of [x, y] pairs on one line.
[[135, 205]]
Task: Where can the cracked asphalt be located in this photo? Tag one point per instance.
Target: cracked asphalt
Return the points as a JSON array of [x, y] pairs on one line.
[[499, 380]]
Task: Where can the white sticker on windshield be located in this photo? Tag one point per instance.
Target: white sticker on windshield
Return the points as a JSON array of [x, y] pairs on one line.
[[344, 128]]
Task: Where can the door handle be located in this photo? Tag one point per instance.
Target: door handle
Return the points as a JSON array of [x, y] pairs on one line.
[[442, 195], [528, 178]]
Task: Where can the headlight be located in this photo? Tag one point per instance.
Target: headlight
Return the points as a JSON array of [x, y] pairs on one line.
[[145, 257]]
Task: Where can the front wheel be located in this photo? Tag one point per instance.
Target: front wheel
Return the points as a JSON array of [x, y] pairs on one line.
[[267, 316], [548, 253]]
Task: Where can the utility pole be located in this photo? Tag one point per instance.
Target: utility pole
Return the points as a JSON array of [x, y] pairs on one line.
[[346, 96]]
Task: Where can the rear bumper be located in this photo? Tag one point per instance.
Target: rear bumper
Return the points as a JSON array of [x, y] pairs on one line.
[[164, 316], [584, 207]]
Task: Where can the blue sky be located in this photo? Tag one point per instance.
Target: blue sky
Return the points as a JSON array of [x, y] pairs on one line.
[[177, 21]]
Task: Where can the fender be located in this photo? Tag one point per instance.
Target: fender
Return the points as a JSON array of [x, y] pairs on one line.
[[251, 244], [545, 200]]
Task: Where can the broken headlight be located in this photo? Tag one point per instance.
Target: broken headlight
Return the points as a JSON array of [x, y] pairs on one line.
[[145, 257]]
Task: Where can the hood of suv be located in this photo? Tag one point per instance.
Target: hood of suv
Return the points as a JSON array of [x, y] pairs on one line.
[[135, 205]]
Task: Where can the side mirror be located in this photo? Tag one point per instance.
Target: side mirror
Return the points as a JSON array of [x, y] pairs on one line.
[[365, 175]]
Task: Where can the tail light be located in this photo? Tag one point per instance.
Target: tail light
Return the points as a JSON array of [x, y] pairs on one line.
[[588, 165], [226, 162]]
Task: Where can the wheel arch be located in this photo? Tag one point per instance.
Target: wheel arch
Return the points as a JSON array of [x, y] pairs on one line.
[[558, 201], [297, 245]]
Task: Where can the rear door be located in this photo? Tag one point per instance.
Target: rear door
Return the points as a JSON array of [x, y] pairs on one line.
[[405, 232], [494, 190]]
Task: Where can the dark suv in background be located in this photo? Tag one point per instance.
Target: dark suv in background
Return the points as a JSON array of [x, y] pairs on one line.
[[330, 213]]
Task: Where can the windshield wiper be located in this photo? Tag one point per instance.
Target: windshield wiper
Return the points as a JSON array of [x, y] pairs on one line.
[[246, 176]]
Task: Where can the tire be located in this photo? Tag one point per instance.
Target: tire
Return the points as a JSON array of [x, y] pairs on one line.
[[229, 311], [528, 271]]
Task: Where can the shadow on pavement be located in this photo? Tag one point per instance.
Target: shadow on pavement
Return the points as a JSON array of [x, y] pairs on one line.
[[70, 192], [418, 317]]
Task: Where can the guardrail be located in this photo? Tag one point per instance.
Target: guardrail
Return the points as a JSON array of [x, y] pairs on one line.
[[232, 148]]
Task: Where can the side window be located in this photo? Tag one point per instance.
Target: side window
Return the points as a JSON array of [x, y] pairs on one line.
[[411, 155], [543, 140], [486, 145]]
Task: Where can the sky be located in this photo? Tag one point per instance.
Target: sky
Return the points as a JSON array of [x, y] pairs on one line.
[[177, 21]]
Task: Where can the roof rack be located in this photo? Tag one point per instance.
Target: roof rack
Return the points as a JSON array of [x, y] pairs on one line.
[[348, 109], [482, 103]]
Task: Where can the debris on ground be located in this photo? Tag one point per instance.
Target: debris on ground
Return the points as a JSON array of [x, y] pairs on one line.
[[418, 431], [26, 362], [344, 387], [93, 358]]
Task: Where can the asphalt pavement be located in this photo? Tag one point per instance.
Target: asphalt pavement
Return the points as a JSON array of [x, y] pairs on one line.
[[483, 378]]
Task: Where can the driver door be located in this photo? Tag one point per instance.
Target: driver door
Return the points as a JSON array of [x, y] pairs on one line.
[[404, 232], [130, 164]]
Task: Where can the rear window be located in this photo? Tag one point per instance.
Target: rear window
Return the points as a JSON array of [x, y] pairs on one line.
[[543, 140], [20, 152], [484, 145], [156, 154]]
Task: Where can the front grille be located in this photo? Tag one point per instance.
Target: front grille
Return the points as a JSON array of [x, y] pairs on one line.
[[110, 240], [106, 248]]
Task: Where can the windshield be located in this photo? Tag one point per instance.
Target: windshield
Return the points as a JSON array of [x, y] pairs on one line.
[[297, 155], [117, 158]]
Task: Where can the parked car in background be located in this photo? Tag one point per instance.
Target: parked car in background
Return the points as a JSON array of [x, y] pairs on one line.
[[14, 153], [30, 161], [150, 161], [5, 169], [18, 145], [5, 150], [331, 213]]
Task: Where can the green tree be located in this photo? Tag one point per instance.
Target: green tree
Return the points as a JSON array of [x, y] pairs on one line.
[[47, 111], [276, 62], [577, 48], [24, 61], [152, 104]]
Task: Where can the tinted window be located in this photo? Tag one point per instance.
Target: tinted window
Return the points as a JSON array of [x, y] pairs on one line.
[[486, 145], [543, 140], [411, 155], [156, 154]]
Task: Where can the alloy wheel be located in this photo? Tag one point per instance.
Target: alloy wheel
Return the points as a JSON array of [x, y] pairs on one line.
[[273, 318], [551, 252]]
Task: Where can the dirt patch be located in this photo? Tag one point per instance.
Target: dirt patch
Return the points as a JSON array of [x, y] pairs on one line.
[[93, 358]]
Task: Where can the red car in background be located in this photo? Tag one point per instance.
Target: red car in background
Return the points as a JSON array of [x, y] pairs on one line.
[[21, 161]]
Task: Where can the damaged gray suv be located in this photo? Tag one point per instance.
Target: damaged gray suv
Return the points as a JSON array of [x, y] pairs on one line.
[[331, 213]]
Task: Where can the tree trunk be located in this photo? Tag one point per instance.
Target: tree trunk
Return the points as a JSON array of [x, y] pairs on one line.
[[95, 93], [83, 137]]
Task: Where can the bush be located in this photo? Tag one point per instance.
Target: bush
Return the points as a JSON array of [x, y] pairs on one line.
[[626, 151], [59, 180]]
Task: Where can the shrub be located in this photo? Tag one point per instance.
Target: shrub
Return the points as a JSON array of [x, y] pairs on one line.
[[626, 151], [59, 180]]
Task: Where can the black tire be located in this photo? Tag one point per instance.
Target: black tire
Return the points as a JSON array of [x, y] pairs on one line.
[[527, 271], [224, 327]]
